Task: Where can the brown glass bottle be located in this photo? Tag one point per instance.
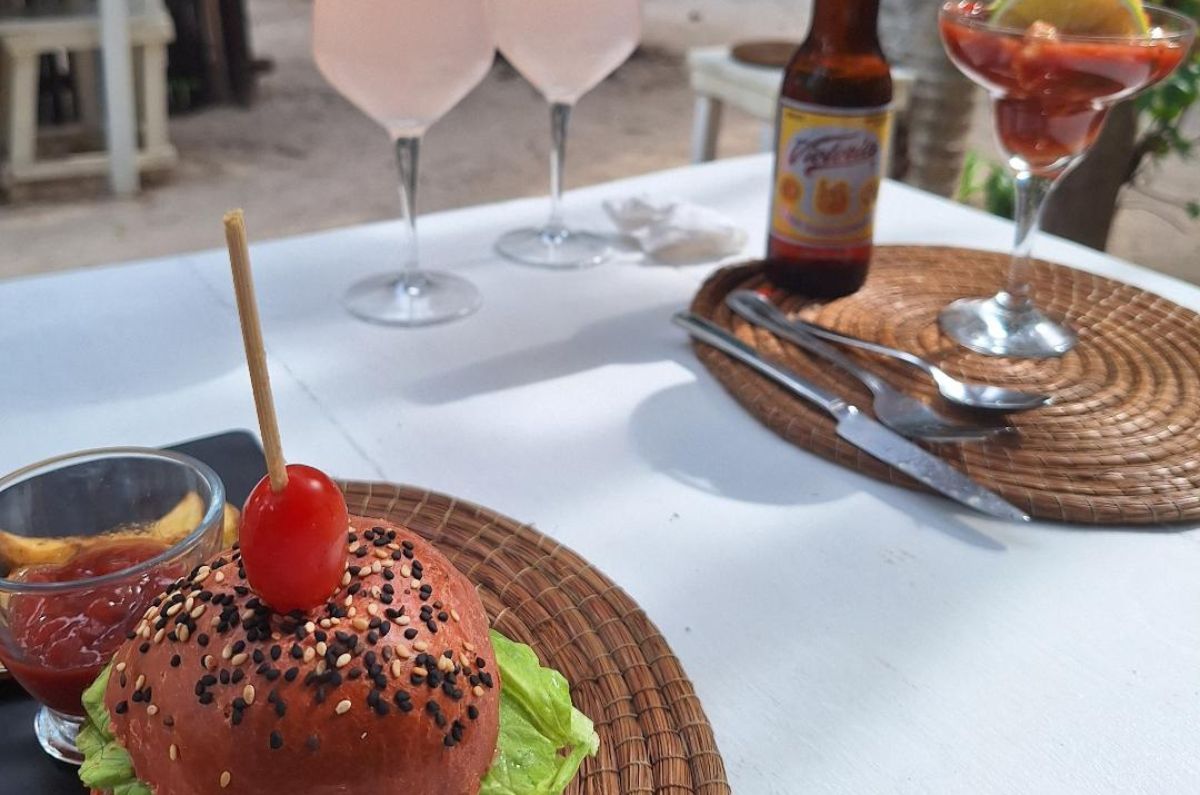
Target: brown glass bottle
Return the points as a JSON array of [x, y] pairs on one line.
[[831, 140]]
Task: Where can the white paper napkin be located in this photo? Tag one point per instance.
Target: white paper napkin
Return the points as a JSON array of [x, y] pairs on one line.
[[675, 231]]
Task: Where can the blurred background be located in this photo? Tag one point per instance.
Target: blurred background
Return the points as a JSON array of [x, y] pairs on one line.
[[253, 124]]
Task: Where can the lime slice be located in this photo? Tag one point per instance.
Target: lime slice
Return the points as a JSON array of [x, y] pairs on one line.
[[1078, 17]]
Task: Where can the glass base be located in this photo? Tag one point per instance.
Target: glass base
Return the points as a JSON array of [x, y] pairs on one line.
[[990, 326], [419, 298], [56, 732], [557, 250]]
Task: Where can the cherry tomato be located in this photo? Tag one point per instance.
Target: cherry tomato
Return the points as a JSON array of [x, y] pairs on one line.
[[294, 542]]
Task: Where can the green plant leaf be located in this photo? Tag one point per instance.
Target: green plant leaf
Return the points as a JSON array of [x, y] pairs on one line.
[[967, 188], [1163, 109], [999, 193]]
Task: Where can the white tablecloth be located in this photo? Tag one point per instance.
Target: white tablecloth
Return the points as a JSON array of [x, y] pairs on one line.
[[844, 635]]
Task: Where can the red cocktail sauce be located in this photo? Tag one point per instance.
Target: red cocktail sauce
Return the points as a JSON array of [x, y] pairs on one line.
[[1052, 94]]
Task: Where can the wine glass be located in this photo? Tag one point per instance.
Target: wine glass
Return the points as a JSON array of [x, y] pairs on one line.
[[1051, 93], [564, 49], [405, 63]]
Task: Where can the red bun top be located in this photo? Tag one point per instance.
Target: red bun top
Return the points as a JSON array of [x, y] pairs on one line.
[[390, 686]]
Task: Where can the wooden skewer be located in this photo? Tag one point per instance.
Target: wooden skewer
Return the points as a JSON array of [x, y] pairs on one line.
[[256, 354]]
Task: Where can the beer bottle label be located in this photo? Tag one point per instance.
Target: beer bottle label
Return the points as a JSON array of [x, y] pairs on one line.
[[829, 162]]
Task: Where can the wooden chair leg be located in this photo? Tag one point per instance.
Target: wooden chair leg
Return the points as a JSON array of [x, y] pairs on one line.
[[154, 97], [5, 106], [766, 137], [22, 109], [120, 112], [137, 61], [87, 90], [706, 126], [212, 31]]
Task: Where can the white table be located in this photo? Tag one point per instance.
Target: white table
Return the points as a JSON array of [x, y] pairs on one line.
[[906, 645]]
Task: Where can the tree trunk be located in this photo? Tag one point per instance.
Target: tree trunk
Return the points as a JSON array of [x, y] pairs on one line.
[[939, 116], [1082, 206]]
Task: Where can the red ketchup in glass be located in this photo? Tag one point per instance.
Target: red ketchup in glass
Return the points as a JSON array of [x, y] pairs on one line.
[[60, 641]]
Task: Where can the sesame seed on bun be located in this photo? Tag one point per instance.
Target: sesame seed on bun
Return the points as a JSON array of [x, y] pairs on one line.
[[390, 686]]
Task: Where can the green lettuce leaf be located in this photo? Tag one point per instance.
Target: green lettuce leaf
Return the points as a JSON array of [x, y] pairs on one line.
[[93, 702], [543, 738], [89, 740], [106, 765], [107, 768]]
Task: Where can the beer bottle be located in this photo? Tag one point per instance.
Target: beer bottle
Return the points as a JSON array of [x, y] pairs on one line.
[[830, 149]]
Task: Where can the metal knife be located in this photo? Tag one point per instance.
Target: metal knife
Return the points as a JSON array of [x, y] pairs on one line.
[[857, 428]]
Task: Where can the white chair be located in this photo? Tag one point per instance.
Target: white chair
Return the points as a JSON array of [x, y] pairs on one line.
[[719, 80], [74, 27]]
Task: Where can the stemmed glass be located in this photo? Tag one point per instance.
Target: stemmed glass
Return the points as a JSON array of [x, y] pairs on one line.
[[405, 63], [564, 49], [1051, 93]]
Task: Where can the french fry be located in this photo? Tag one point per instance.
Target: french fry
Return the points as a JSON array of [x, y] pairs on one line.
[[178, 521], [233, 521], [18, 551]]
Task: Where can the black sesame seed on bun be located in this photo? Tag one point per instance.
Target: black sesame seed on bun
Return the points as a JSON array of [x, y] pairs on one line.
[[391, 686]]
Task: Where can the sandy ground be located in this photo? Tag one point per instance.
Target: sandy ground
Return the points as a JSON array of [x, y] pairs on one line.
[[303, 159]]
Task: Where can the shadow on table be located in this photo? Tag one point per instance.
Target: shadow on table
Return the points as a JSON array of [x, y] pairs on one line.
[[596, 345], [684, 431], [110, 348], [698, 435]]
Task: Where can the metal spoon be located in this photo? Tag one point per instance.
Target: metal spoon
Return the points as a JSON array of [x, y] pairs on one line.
[[905, 415], [965, 393]]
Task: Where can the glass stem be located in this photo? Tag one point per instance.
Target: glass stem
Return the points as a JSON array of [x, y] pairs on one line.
[[560, 114], [408, 151], [1032, 191]]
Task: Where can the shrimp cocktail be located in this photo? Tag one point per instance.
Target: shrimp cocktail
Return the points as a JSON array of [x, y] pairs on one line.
[[1054, 68]]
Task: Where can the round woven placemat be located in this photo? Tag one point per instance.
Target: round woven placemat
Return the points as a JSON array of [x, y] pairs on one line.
[[1121, 442], [654, 736]]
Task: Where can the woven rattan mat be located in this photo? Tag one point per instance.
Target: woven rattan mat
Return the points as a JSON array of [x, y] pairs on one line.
[[1121, 444], [654, 737]]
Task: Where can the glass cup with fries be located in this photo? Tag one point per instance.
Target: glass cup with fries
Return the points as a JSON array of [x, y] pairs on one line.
[[87, 541]]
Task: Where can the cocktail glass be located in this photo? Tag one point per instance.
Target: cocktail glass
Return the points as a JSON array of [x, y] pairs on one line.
[[564, 49], [405, 63], [1051, 93]]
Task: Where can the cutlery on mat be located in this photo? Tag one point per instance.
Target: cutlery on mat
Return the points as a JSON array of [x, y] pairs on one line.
[[970, 394], [857, 428], [905, 415]]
